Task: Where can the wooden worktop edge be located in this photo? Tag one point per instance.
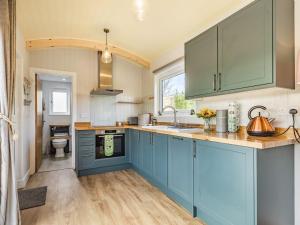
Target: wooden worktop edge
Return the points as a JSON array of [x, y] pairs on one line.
[[241, 138]]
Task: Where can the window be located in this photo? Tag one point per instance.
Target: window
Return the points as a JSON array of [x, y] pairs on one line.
[[173, 93], [60, 102], [170, 89]]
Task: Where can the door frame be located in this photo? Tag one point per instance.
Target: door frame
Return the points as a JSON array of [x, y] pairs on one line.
[[36, 109], [40, 71]]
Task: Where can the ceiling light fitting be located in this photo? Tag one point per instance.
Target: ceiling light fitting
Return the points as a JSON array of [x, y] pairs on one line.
[[140, 7], [106, 54]]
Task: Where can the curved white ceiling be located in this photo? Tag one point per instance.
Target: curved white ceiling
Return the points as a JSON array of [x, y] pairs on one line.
[[167, 23]]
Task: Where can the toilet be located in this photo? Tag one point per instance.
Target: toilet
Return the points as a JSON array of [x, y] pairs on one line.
[[59, 144]]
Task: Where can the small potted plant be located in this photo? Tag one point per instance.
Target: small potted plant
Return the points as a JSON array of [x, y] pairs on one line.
[[206, 114]]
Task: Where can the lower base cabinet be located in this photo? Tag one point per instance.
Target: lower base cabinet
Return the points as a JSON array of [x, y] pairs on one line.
[[219, 183], [86, 162], [85, 150], [180, 170], [236, 185], [160, 160], [149, 156], [224, 184], [134, 143], [146, 156]]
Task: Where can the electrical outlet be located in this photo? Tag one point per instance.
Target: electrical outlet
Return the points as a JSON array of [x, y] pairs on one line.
[[293, 111]]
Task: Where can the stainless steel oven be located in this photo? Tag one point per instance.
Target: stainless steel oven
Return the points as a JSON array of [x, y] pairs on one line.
[[118, 143]]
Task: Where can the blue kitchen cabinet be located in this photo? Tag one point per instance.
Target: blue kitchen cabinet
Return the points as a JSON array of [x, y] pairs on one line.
[[201, 64], [146, 157], [86, 162], [224, 184], [248, 60], [160, 160], [243, 52], [221, 184], [85, 149], [134, 147], [180, 171]]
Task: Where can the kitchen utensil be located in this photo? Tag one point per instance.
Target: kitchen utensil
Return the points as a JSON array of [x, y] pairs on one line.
[[233, 117], [260, 125], [119, 124], [144, 119], [133, 120], [222, 121]]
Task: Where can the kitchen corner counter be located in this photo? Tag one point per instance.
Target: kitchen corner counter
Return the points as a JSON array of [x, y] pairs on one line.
[[241, 138]]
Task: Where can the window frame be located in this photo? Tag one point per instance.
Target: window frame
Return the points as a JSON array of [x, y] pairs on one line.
[[62, 90], [169, 72]]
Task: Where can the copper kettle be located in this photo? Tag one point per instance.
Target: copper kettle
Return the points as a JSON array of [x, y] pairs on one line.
[[259, 125]]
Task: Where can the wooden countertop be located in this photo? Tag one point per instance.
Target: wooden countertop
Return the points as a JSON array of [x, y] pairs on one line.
[[241, 138]]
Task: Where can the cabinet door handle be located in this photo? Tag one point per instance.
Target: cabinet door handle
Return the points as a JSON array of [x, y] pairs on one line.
[[194, 149], [220, 82], [178, 138], [86, 155], [215, 82]]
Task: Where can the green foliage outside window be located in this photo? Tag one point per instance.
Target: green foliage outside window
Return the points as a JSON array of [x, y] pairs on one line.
[[181, 103]]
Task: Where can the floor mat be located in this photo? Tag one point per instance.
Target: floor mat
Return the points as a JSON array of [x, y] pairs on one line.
[[29, 198]]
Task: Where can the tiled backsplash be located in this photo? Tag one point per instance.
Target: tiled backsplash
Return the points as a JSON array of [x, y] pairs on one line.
[[127, 108], [105, 110], [277, 101]]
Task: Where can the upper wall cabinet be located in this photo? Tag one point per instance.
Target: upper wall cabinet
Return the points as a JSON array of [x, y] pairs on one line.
[[245, 48], [252, 49], [201, 63]]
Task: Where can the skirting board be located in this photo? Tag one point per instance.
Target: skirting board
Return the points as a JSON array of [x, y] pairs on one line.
[[21, 183]]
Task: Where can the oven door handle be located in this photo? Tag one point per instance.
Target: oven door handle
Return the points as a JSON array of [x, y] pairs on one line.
[[114, 135]]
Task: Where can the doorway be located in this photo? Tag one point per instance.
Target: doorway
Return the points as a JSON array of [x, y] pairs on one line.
[[53, 122], [54, 116]]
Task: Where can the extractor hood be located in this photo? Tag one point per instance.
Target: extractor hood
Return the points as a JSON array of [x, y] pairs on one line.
[[105, 79]]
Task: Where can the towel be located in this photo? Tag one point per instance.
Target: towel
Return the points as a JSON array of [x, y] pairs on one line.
[[109, 145]]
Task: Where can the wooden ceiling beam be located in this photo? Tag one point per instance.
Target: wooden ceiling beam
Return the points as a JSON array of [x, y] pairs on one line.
[[79, 43]]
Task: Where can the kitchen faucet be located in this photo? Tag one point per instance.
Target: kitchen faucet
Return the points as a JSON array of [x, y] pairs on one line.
[[175, 111]]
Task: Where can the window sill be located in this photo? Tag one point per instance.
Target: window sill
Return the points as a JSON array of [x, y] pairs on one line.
[[59, 114]]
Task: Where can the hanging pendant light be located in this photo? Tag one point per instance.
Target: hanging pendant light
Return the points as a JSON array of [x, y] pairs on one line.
[[106, 54]]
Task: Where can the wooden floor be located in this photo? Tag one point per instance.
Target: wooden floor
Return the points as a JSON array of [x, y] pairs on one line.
[[116, 198], [51, 163]]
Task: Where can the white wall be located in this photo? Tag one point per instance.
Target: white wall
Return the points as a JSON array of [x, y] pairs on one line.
[[82, 62], [22, 114], [47, 86], [147, 84], [127, 76]]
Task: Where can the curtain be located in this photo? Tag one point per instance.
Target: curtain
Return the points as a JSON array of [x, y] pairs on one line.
[[9, 209]]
